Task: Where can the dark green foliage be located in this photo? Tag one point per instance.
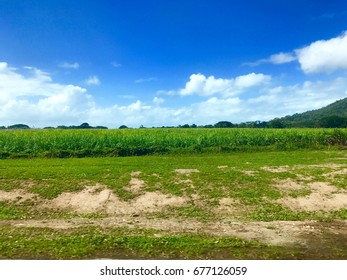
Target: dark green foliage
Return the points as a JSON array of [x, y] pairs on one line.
[[85, 125], [18, 126], [333, 115], [333, 122], [276, 123], [81, 126], [184, 126], [223, 124]]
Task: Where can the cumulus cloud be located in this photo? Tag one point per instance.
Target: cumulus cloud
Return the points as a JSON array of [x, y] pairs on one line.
[[68, 65], [251, 80], [270, 100], [286, 100], [217, 109], [158, 100], [35, 98], [93, 80], [31, 96], [137, 106], [36, 83], [324, 55], [199, 84]]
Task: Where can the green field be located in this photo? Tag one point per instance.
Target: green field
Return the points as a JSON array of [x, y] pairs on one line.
[[130, 142], [197, 194]]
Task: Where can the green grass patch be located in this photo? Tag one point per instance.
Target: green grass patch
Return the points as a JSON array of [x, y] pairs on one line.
[[124, 243], [299, 193], [239, 176], [193, 211], [91, 242], [9, 211], [51, 177], [268, 212]]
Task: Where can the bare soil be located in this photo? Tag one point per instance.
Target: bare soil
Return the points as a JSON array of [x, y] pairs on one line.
[[99, 199], [186, 171], [105, 201], [133, 213], [323, 197]]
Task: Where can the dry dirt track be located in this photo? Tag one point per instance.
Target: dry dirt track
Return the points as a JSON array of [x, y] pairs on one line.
[[299, 233]]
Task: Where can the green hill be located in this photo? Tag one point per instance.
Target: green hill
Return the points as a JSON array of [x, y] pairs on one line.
[[333, 115]]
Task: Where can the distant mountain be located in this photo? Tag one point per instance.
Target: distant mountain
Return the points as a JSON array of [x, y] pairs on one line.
[[333, 115]]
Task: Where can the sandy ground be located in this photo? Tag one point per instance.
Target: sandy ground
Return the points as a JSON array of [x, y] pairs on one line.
[[134, 213]]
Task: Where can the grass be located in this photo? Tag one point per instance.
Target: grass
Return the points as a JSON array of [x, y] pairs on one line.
[[239, 176], [28, 243], [125, 243], [8, 212], [49, 178]]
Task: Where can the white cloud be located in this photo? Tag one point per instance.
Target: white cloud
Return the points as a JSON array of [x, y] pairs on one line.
[[136, 106], [286, 100], [197, 83], [126, 96], [215, 109], [251, 80], [4, 66], [93, 80], [68, 65], [35, 99], [37, 83], [144, 80], [271, 100], [324, 55], [279, 58], [201, 85], [158, 100], [276, 90], [116, 64], [320, 56], [167, 92]]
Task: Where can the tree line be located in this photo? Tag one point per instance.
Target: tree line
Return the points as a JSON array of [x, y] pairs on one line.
[[82, 126], [325, 122]]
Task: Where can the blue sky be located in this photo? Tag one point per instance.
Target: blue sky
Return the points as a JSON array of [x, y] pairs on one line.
[[157, 63]]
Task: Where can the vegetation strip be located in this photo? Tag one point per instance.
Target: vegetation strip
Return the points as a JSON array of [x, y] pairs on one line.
[[131, 142]]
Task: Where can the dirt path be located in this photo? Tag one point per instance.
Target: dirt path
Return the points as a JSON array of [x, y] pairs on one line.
[[273, 233]]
